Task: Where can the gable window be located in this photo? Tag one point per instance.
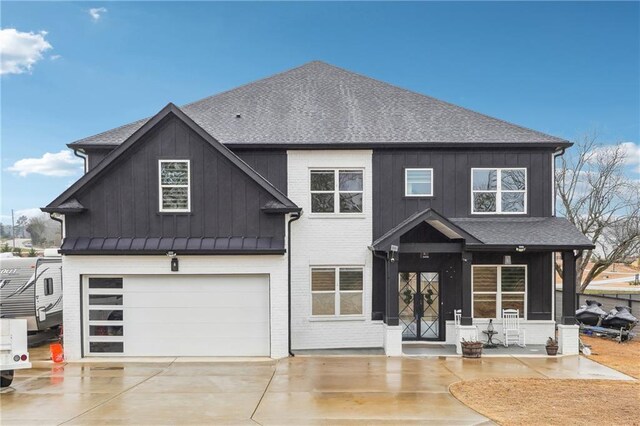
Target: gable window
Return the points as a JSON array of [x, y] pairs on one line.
[[499, 191], [175, 186], [498, 287], [418, 182], [336, 191], [336, 291]]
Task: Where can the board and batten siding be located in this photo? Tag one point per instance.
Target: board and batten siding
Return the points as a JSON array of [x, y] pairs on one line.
[[123, 201], [452, 182], [331, 240]]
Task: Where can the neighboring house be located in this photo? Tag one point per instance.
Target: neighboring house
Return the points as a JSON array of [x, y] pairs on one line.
[[313, 209]]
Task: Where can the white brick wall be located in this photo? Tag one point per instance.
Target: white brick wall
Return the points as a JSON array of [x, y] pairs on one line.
[[75, 266], [329, 241]]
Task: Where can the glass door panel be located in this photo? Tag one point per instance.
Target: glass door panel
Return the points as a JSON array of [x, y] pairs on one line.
[[408, 284]]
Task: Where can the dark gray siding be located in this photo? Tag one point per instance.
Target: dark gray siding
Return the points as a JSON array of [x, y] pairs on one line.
[[94, 156], [271, 164], [452, 182], [123, 201]]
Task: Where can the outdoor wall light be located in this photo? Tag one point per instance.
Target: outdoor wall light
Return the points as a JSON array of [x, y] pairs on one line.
[[174, 264], [520, 249], [393, 252], [507, 260]]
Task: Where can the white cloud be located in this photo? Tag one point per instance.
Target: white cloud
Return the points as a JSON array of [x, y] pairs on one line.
[[62, 163], [96, 13], [19, 51], [55, 57], [631, 152]]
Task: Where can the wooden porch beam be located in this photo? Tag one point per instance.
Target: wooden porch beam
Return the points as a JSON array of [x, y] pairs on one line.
[[431, 248]]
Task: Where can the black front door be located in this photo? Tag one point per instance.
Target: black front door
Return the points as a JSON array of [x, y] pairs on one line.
[[420, 302]]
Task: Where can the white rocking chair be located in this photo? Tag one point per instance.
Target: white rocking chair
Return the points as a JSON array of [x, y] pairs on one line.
[[511, 328], [457, 316]]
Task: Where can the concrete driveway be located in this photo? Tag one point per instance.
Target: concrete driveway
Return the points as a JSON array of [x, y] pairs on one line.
[[301, 390]]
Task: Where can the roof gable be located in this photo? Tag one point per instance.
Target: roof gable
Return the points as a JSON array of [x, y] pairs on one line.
[[320, 104], [60, 204]]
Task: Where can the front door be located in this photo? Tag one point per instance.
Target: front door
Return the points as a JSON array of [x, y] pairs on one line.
[[420, 302]]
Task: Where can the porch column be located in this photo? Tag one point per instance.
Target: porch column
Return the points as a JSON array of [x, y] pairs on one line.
[[568, 288], [467, 259], [391, 299]]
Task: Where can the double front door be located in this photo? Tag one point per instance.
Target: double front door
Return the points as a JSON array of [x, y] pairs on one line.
[[420, 305]]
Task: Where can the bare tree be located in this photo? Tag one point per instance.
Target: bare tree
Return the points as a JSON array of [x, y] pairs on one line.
[[596, 195]]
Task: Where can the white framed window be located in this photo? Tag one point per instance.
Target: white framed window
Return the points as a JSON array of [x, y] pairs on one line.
[[175, 185], [499, 190], [104, 315], [418, 182], [498, 287], [336, 190], [336, 291]]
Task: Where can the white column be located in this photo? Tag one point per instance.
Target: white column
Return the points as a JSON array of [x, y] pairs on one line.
[[393, 340], [568, 339]]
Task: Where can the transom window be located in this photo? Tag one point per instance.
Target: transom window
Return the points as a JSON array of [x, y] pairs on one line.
[[418, 182], [499, 191], [498, 287], [175, 186], [336, 291], [336, 191]]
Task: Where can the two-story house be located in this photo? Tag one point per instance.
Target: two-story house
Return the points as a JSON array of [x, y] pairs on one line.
[[313, 209]]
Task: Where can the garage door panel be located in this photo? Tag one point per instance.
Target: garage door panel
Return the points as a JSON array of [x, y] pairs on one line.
[[176, 315], [215, 315]]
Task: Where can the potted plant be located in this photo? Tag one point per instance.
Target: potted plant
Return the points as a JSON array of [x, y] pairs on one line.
[[552, 346], [471, 348]]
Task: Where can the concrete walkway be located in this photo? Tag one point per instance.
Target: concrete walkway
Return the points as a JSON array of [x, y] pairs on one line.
[[301, 390]]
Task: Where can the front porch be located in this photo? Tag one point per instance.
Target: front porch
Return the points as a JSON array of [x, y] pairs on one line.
[[434, 266]]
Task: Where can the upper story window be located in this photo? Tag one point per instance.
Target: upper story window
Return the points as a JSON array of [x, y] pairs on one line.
[[336, 191], [499, 191], [418, 182], [175, 186], [336, 291]]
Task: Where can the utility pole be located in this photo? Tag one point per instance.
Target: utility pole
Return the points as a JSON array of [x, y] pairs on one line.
[[13, 231]]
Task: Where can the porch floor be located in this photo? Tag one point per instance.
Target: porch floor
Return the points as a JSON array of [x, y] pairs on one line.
[[416, 349]]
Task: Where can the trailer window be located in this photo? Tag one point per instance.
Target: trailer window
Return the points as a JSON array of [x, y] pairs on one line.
[[48, 286]]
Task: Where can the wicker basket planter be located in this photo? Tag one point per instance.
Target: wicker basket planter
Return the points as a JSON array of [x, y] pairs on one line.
[[552, 347], [471, 349]]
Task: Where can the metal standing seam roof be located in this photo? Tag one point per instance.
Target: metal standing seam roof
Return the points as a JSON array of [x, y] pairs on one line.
[[217, 245], [318, 103]]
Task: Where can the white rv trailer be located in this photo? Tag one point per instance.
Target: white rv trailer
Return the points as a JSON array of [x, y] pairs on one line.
[[31, 288], [13, 349]]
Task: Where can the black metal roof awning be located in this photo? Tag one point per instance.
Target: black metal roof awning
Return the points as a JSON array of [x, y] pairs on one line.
[[155, 246], [506, 233]]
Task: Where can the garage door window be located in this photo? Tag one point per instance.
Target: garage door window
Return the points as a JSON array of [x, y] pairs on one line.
[[104, 321]]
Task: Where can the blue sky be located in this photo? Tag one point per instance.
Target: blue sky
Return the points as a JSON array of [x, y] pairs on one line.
[[563, 68]]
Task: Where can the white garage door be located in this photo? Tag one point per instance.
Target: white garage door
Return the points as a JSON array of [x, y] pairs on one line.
[[198, 315]]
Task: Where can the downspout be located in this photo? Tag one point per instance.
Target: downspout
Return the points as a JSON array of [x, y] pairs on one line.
[[84, 159], [291, 219], [555, 155], [57, 219]]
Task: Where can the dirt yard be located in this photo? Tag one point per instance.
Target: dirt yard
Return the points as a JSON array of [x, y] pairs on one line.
[[624, 357], [552, 401], [567, 402]]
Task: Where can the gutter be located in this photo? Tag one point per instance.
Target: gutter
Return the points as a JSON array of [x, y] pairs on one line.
[[557, 153], [84, 159], [291, 219]]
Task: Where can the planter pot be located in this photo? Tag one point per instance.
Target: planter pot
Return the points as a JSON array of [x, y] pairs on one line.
[[552, 350], [472, 349]]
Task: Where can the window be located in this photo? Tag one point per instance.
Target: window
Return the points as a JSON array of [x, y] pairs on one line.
[[498, 287], [336, 191], [48, 286], [499, 191], [174, 186], [418, 182], [336, 291], [104, 306]]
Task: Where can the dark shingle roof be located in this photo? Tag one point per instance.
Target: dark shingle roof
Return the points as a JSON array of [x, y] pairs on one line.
[[545, 232], [318, 103], [214, 245]]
